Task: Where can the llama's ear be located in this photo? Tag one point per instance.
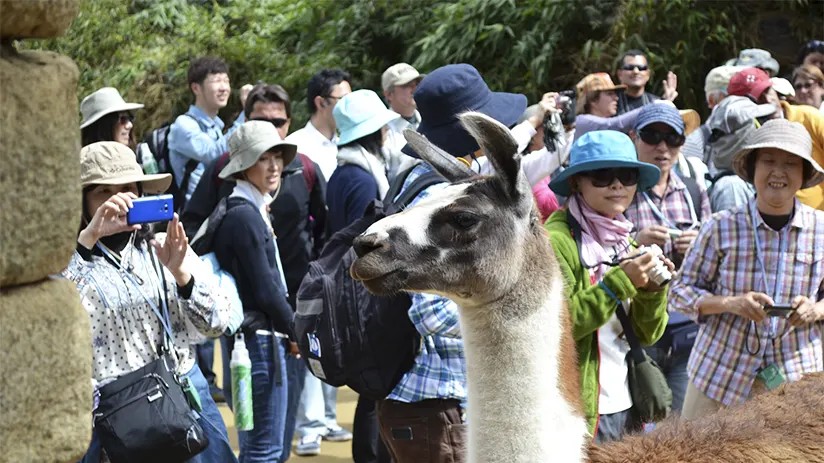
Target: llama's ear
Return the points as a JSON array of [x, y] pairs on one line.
[[446, 165], [501, 149]]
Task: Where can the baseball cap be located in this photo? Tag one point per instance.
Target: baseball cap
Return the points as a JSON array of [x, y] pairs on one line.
[[719, 78], [749, 82], [664, 113], [399, 74]]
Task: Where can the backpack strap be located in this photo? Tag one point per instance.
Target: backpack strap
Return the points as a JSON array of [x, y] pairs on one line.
[[421, 183], [695, 194], [309, 174]]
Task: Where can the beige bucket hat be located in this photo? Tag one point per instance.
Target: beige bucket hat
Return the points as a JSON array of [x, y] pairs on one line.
[[107, 100], [791, 137], [250, 141], [113, 163]]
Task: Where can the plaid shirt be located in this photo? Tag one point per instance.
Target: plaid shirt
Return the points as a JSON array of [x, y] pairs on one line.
[[730, 350], [674, 206], [439, 371]]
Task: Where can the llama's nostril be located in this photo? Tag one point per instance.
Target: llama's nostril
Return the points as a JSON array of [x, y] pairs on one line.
[[365, 244]]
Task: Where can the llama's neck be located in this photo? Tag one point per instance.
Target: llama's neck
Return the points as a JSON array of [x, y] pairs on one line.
[[520, 407]]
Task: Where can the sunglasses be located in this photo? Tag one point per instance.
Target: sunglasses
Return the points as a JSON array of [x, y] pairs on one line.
[[652, 137], [277, 121], [632, 67], [125, 118], [603, 178]]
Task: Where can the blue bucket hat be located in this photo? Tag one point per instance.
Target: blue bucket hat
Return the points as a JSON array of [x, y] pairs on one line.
[[603, 149], [660, 112], [360, 113], [451, 90]]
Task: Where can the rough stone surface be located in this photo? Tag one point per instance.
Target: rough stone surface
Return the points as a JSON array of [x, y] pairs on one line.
[[42, 19], [45, 371], [39, 154]]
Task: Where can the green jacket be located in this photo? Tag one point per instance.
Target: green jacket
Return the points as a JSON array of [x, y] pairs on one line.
[[590, 307]]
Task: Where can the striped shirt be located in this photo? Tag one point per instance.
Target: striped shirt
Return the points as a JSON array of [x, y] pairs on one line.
[[439, 371], [730, 350]]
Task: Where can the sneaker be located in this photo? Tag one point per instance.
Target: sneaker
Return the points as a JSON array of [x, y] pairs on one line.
[[337, 434], [308, 446]]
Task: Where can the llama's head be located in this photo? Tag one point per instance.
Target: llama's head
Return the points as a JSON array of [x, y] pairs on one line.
[[466, 241]]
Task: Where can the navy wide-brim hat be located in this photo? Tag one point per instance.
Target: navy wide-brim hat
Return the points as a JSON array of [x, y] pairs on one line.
[[603, 149], [451, 90]]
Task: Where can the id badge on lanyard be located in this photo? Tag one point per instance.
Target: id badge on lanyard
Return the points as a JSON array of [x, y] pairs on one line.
[[778, 287]]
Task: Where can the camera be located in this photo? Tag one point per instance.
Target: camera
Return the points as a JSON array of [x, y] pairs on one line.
[[659, 274]]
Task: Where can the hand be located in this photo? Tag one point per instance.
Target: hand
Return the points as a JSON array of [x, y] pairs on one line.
[[654, 234], [670, 85], [173, 250], [806, 311], [293, 349], [548, 103], [682, 243], [109, 219], [637, 269], [652, 286], [244, 93], [750, 305]]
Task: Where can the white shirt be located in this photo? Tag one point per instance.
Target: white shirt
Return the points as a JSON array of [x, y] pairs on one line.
[[317, 147], [398, 162]]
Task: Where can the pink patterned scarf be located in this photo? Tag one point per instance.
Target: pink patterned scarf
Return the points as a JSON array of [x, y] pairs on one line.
[[598, 234]]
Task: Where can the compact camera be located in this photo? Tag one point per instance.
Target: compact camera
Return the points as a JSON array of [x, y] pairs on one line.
[[659, 274]]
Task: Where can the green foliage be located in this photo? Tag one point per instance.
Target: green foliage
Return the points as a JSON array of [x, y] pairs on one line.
[[143, 47]]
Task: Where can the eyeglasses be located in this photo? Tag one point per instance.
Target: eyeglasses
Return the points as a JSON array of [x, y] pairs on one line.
[[602, 178], [278, 122], [125, 118], [631, 67], [652, 137]]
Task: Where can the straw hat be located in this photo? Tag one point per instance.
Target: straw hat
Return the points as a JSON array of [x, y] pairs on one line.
[[113, 163], [250, 141], [107, 100], [788, 136]]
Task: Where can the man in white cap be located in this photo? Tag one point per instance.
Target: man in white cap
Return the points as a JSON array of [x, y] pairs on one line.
[[399, 83]]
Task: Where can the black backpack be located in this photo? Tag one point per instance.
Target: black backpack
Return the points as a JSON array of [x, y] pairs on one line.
[[347, 335], [157, 141]]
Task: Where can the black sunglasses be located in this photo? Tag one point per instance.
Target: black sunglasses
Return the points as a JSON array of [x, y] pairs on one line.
[[125, 118], [652, 137], [630, 67], [277, 121], [602, 178]]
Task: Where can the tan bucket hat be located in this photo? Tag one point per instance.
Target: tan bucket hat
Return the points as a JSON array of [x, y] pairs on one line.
[[597, 82], [250, 141], [791, 137], [113, 163], [107, 100]]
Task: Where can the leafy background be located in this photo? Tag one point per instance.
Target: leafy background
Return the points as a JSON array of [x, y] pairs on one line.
[[142, 47]]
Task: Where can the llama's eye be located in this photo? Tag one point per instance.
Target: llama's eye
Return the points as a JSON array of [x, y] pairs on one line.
[[464, 220]]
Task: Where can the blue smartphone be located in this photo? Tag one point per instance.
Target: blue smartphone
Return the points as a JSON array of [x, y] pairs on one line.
[[151, 209]]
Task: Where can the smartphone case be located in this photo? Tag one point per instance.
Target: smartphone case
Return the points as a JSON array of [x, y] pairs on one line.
[[151, 209]]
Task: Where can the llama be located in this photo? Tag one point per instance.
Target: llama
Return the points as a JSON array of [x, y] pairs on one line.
[[479, 242]]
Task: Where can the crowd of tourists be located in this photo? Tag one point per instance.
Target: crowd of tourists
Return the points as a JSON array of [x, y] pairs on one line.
[[704, 240]]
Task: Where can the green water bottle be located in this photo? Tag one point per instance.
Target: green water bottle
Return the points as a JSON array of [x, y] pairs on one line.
[[241, 368]]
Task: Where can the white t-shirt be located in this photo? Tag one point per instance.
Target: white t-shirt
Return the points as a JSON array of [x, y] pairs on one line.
[[612, 374], [317, 147]]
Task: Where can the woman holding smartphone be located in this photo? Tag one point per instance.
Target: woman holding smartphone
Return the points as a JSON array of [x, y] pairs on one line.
[[745, 261], [123, 274], [603, 272]]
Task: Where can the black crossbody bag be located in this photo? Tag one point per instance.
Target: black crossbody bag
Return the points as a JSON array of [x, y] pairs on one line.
[[145, 415]]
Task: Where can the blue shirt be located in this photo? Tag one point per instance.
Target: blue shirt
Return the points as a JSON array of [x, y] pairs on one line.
[[195, 136], [439, 371]]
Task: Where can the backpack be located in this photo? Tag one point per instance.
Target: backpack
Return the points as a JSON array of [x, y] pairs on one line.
[[694, 192], [203, 245], [347, 335], [157, 142]]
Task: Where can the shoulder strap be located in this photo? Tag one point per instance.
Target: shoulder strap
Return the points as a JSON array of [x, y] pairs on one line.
[[309, 175], [415, 188], [695, 194], [634, 345]]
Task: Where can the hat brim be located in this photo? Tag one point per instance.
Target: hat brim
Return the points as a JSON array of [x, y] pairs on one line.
[[419, 77], [114, 109], [371, 125], [504, 107], [152, 183], [648, 177], [240, 163], [739, 162]]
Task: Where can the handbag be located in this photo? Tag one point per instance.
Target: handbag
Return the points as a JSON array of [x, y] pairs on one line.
[[651, 396], [146, 415]]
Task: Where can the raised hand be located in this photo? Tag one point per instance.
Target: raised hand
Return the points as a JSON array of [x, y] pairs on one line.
[[173, 251], [670, 87], [109, 219]]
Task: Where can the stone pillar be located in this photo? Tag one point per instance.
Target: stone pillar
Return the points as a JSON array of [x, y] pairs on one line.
[[45, 341]]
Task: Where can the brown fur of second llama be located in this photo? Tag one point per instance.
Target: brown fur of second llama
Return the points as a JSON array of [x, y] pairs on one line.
[[480, 243]]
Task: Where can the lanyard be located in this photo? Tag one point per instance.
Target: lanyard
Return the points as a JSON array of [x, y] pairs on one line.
[[660, 215], [784, 241]]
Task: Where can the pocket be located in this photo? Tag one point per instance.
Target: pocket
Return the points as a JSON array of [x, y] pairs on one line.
[[408, 439], [457, 441]]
